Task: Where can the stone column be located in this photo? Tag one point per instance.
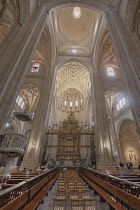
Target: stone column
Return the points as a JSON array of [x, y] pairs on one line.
[[114, 141], [32, 156], [102, 137], [128, 55], [15, 56], [117, 150]]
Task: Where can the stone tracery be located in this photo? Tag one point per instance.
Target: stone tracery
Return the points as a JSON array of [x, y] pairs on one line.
[[31, 93], [73, 75]]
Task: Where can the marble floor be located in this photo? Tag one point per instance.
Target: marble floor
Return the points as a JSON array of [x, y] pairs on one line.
[[48, 200]]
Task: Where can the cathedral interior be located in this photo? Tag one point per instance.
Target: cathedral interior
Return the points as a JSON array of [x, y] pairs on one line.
[[70, 94]]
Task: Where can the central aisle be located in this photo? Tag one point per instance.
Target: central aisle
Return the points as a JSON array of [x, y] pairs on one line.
[[57, 188]]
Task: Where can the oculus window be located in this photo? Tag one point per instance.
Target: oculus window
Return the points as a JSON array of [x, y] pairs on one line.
[[110, 72], [76, 12]]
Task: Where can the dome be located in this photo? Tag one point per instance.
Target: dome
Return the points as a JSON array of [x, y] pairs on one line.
[[76, 23]]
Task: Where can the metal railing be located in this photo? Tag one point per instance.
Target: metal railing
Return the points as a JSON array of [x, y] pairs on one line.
[[13, 192], [119, 183]]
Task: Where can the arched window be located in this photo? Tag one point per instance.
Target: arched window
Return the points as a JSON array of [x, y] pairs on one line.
[[21, 102], [22, 105], [33, 114], [110, 71], [72, 100], [124, 101], [121, 103], [35, 67], [118, 107], [17, 99]]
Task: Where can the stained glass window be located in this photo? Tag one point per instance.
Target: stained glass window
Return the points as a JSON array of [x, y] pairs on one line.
[[35, 67]]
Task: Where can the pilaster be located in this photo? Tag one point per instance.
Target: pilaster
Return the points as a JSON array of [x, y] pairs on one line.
[[102, 137]]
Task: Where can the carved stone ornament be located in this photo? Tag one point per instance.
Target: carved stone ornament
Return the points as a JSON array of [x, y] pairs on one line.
[[12, 144]]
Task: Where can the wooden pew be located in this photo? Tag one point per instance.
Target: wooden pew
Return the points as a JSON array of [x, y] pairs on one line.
[[129, 176], [133, 179], [15, 181], [99, 184], [101, 192], [125, 177], [16, 203], [38, 199], [25, 194], [21, 173], [5, 186]]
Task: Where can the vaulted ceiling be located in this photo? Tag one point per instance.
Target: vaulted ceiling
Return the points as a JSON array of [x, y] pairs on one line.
[[75, 29], [72, 86], [73, 75]]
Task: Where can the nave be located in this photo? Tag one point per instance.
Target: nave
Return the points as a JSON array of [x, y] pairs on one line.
[[72, 192], [72, 188]]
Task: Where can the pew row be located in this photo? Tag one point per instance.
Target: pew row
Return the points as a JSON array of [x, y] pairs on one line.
[[116, 198], [28, 195], [35, 201]]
